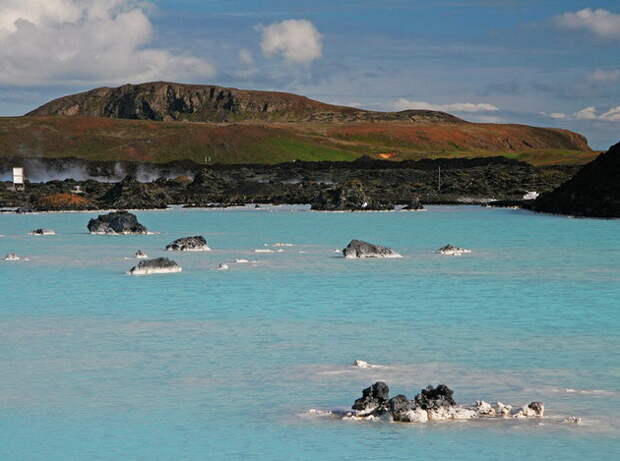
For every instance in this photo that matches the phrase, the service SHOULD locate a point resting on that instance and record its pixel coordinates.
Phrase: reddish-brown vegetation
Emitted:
(64, 201)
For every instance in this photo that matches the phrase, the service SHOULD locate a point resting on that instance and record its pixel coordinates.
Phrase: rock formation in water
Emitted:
(11, 257)
(431, 404)
(349, 196)
(374, 399)
(42, 232)
(132, 194)
(450, 250)
(155, 266)
(196, 243)
(358, 249)
(116, 222)
(140, 255)
(594, 191)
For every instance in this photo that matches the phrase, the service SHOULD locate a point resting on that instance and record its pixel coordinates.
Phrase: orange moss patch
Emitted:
(65, 201)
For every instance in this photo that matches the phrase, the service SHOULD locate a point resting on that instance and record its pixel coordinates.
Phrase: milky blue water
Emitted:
(208, 364)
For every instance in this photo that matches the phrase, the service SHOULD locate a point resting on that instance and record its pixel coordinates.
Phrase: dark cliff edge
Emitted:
(593, 192)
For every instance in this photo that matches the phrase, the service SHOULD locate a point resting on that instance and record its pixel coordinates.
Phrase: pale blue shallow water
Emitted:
(207, 364)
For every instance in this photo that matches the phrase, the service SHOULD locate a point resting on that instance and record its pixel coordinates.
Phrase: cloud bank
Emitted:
(85, 41)
(588, 113)
(405, 104)
(297, 40)
(599, 22)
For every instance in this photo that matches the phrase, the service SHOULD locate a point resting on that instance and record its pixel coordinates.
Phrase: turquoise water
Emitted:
(208, 364)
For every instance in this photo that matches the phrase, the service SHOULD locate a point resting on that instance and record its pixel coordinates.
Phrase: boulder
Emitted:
(374, 399)
(349, 196)
(361, 364)
(155, 266)
(11, 257)
(435, 397)
(140, 255)
(116, 222)
(401, 409)
(450, 250)
(359, 249)
(533, 410)
(196, 243)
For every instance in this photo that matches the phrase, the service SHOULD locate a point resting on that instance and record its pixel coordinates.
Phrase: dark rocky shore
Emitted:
(593, 192)
(365, 184)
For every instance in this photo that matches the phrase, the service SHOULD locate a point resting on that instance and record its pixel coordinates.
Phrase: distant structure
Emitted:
(77, 190)
(18, 179)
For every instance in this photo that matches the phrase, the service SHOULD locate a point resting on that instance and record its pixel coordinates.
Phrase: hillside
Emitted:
(166, 101)
(96, 138)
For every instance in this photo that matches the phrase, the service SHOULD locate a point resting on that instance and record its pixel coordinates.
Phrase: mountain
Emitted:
(164, 101)
(594, 191)
(163, 122)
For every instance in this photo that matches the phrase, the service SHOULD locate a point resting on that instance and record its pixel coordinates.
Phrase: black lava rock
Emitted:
(117, 222)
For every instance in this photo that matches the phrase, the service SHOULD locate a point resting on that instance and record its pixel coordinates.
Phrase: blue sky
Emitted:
(542, 62)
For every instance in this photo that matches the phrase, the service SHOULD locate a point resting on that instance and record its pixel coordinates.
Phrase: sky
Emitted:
(540, 62)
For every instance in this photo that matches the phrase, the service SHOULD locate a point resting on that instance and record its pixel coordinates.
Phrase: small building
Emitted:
(18, 179)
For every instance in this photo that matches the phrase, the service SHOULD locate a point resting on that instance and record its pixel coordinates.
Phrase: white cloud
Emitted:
(605, 76)
(297, 40)
(85, 41)
(405, 104)
(612, 115)
(599, 22)
(588, 113)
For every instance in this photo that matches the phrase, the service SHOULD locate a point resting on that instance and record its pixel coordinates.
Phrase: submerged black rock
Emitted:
(116, 222)
(155, 266)
(196, 243)
(360, 249)
(43, 232)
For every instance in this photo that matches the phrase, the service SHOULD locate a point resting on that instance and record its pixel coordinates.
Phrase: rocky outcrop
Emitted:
(431, 404)
(140, 255)
(196, 243)
(349, 196)
(450, 250)
(210, 103)
(132, 194)
(594, 191)
(117, 222)
(155, 266)
(358, 249)
(11, 257)
(374, 399)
